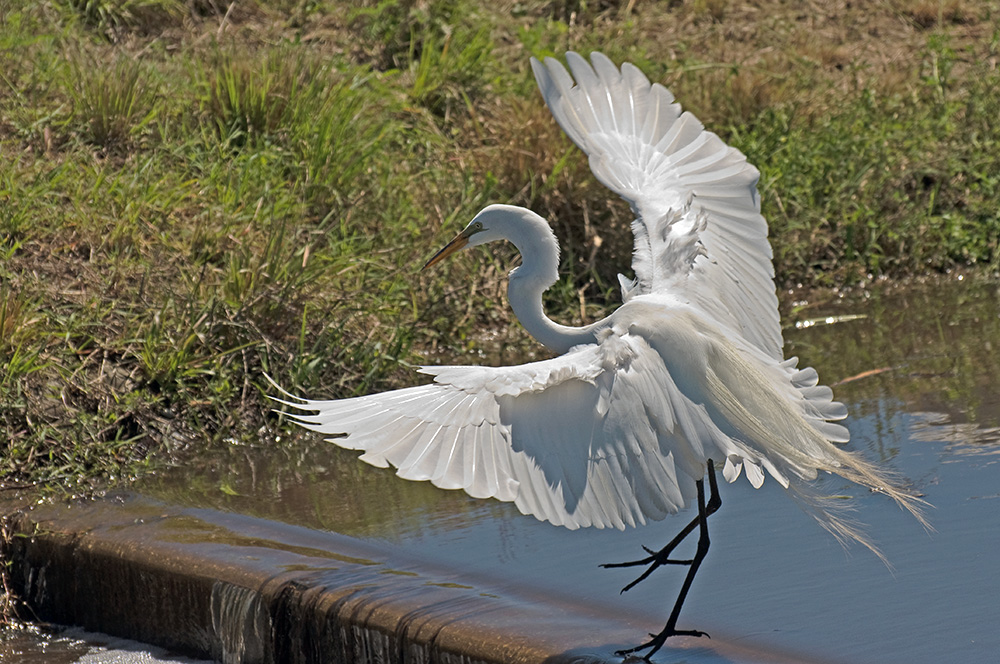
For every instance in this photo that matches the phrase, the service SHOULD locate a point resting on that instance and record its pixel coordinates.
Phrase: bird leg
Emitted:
(662, 557)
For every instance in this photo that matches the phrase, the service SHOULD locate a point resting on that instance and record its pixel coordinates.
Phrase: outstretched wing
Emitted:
(601, 436)
(698, 231)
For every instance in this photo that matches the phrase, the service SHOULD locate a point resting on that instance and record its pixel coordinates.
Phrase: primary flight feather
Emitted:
(688, 373)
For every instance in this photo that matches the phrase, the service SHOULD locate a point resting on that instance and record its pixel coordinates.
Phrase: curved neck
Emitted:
(538, 271)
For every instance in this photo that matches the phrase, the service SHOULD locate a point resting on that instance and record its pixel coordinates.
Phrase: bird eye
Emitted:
(478, 226)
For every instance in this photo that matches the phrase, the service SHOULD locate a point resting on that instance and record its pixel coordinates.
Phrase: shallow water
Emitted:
(76, 646)
(916, 368)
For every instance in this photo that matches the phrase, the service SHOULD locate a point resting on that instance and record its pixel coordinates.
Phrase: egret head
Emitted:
(485, 227)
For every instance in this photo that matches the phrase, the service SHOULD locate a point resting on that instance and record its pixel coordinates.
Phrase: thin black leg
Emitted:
(661, 557)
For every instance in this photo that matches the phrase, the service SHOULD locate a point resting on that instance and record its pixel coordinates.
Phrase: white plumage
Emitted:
(618, 429)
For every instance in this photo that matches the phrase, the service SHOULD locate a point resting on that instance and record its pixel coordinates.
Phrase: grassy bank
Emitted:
(194, 192)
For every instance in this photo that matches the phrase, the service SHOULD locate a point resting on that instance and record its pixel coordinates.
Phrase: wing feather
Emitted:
(444, 475)
(663, 162)
(589, 438)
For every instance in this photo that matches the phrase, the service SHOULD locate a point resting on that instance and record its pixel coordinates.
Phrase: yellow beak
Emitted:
(455, 245)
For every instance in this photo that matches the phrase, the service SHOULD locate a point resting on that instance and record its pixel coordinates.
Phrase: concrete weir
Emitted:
(240, 589)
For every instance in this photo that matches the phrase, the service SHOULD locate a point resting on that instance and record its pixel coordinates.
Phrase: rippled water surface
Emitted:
(917, 368)
(76, 646)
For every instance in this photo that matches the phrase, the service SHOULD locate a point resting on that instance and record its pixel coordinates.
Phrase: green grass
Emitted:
(193, 193)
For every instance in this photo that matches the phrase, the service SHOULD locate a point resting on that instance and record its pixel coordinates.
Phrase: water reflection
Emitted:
(916, 367)
(301, 479)
(962, 438)
(931, 346)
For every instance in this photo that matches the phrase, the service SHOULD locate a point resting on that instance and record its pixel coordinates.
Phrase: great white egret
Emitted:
(625, 423)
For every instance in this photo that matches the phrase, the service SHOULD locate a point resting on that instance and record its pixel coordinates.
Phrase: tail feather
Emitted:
(832, 512)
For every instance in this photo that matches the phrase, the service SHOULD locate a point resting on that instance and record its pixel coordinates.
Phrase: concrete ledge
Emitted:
(239, 589)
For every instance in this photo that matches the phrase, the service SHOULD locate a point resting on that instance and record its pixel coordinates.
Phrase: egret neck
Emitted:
(539, 269)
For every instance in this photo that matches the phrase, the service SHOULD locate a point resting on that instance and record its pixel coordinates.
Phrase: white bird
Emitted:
(624, 424)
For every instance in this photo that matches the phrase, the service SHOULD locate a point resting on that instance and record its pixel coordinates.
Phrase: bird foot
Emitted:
(657, 641)
(655, 560)
(633, 563)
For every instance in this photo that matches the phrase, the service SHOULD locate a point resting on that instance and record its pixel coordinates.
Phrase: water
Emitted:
(76, 646)
(917, 369)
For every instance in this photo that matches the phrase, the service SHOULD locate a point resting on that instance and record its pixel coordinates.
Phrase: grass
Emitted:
(193, 193)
